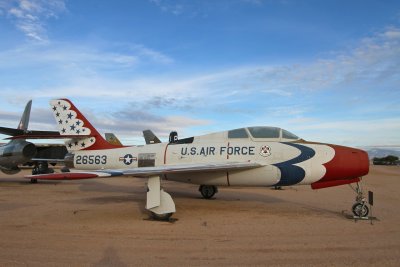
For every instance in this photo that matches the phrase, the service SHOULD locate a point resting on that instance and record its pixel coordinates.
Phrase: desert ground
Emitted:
(103, 223)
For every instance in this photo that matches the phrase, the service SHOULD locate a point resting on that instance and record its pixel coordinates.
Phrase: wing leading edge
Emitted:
(148, 171)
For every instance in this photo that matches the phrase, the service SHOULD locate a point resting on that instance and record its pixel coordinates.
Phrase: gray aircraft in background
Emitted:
(20, 152)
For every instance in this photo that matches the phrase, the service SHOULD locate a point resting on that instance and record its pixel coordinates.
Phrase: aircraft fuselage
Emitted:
(14, 153)
(284, 162)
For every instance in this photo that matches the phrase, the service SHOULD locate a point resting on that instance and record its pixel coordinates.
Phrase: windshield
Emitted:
(271, 132)
(288, 135)
(264, 132)
(237, 133)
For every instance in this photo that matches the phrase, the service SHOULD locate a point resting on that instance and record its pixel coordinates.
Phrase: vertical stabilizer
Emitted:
(112, 139)
(71, 122)
(150, 137)
(23, 124)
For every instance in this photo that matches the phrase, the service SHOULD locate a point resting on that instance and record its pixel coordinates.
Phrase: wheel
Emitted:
(35, 170)
(65, 169)
(161, 217)
(360, 210)
(33, 181)
(43, 167)
(208, 191)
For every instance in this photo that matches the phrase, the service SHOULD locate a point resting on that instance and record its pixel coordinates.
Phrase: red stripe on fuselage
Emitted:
(165, 154)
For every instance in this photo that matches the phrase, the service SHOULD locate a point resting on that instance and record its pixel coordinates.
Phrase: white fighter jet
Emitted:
(250, 156)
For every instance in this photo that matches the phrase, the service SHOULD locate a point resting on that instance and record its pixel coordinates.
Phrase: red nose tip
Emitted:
(347, 166)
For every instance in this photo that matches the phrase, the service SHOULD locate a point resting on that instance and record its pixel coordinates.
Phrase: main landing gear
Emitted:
(208, 191)
(41, 167)
(360, 208)
(159, 203)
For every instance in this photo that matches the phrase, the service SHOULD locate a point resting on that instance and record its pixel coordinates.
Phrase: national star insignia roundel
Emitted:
(128, 159)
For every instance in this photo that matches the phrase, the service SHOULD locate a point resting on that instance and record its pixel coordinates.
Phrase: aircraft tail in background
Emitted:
(112, 139)
(23, 124)
(150, 137)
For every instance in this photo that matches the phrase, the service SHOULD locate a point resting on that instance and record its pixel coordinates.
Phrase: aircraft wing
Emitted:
(148, 171)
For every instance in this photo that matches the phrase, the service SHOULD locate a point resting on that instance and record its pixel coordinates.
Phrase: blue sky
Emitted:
(327, 71)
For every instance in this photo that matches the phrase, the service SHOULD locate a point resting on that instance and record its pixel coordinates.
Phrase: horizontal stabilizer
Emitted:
(11, 131)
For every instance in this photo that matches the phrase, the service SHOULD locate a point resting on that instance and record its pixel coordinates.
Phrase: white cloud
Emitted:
(371, 66)
(374, 63)
(356, 132)
(277, 92)
(169, 6)
(154, 55)
(30, 16)
(392, 33)
(80, 60)
(134, 121)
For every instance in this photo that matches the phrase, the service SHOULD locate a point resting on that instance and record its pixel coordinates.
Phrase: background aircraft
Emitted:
(150, 137)
(19, 152)
(16, 152)
(252, 156)
(112, 139)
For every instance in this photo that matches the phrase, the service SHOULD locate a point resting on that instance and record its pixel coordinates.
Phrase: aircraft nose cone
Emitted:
(348, 163)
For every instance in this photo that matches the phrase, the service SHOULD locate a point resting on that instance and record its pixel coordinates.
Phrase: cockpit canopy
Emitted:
(264, 132)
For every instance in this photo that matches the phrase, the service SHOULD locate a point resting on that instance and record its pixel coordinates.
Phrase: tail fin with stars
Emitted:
(81, 133)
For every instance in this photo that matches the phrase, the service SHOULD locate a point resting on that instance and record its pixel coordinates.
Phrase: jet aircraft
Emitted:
(150, 137)
(250, 156)
(20, 152)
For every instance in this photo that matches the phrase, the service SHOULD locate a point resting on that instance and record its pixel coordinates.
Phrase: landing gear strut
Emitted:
(208, 191)
(159, 202)
(360, 208)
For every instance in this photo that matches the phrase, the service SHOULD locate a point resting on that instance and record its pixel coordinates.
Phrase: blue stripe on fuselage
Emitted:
(290, 173)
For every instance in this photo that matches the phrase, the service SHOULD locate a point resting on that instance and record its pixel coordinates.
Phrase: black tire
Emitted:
(208, 191)
(43, 167)
(33, 181)
(360, 210)
(65, 169)
(161, 217)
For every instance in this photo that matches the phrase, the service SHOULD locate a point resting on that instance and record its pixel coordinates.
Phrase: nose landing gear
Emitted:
(360, 208)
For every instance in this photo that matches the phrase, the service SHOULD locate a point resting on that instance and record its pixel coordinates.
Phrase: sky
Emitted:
(328, 71)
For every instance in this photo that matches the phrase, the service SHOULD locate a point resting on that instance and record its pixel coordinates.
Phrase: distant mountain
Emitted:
(381, 152)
